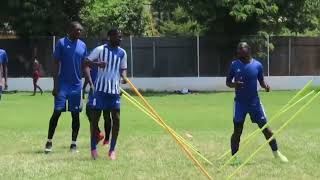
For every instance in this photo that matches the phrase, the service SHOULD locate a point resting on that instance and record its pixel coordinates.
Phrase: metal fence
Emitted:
(181, 56)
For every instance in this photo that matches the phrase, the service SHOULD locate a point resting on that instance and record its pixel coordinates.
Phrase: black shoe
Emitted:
(73, 148)
(48, 148)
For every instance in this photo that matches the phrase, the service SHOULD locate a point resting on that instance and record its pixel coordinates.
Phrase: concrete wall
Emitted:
(171, 84)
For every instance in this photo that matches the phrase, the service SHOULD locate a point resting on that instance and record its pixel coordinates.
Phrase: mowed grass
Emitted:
(145, 150)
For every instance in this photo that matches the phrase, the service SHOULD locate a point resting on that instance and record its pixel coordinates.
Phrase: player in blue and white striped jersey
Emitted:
(112, 63)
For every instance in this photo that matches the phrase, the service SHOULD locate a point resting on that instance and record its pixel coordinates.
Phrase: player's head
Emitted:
(74, 30)
(115, 37)
(243, 50)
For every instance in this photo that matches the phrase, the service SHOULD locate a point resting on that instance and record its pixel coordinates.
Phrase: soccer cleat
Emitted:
(278, 155)
(73, 148)
(112, 155)
(105, 142)
(48, 147)
(94, 154)
(236, 161)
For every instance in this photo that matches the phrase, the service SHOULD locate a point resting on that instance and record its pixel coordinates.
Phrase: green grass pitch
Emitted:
(145, 150)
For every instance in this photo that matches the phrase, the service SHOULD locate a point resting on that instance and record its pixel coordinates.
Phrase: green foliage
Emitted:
(180, 25)
(40, 17)
(127, 15)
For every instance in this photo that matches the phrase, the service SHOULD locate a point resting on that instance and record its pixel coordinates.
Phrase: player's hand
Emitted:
(238, 84)
(54, 92)
(91, 89)
(123, 81)
(267, 88)
(102, 64)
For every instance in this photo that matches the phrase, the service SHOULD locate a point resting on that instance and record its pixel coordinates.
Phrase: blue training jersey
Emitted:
(3, 57)
(71, 54)
(249, 74)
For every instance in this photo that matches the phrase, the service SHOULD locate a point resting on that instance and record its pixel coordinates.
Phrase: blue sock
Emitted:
(273, 144)
(93, 144)
(112, 144)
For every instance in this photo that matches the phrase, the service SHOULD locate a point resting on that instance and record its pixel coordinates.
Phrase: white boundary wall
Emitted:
(177, 83)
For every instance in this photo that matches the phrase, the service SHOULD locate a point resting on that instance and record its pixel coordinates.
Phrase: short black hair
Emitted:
(112, 31)
(73, 24)
(243, 44)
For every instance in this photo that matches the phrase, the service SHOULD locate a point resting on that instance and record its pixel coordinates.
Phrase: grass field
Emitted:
(145, 151)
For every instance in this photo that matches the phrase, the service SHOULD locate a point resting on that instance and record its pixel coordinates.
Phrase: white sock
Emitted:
(74, 142)
(49, 140)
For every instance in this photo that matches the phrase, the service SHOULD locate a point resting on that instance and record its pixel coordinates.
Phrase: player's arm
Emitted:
(56, 66)
(92, 59)
(5, 71)
(5, 75)
(87, 75)
(57, 57)
(123, 68)
(261, 79)
(123, 76)
(229, 80)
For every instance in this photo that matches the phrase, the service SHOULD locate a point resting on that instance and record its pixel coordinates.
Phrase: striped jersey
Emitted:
(108, 78)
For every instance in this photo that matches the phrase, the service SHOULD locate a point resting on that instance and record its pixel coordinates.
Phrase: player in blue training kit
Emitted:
(112, 62)
(69, 56)
(243, 75)
(3, 71)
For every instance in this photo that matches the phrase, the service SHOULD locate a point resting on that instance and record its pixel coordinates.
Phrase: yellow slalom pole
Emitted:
(136, 102)
(247, 140)
(279, 113)
(177, 135)
(189, 154)
(305, 88)
(277, 132)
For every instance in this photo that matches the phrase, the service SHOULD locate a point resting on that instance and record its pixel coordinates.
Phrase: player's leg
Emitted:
(258, 116)
(75, 130)
(40, 89)
(115, 114)
(59, 106)
(107, 126)
(238, 121)
(75, 107)
(0, 91)
(34, 87)
(89, 113)
(95, 116)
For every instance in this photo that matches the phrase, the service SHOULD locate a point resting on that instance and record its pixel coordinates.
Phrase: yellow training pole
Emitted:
(203, 170)
(247, 140)
(136, 102)
(272, 118)
(141, 107)
(305, 88)
(277, 132)
(177, 135)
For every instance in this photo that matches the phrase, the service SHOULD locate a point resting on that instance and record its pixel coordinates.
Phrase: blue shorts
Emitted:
(70, 94)
(254, 109)
(105, 101)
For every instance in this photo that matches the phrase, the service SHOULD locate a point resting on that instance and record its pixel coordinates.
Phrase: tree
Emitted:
(232, 17)
(180, 25)
(299, 16)
(40, 17)
(127, 15)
